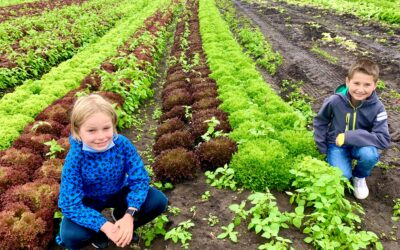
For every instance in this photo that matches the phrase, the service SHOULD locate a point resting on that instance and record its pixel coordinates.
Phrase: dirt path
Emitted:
(292, 31)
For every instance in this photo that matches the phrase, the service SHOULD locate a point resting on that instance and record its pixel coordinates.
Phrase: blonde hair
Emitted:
(365, 66)
(85, 107)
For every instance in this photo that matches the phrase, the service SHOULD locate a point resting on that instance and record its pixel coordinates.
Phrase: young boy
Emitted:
(352, 124)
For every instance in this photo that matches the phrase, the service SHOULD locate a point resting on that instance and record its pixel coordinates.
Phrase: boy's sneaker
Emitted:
(360, 188)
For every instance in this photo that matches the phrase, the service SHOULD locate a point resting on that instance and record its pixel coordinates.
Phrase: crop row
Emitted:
(31, 46)
(14, 2)
(29, 180)
(275, 150)
(250, 37)
(17, 109)
(34, 8)
(186, 141)
(386, 11)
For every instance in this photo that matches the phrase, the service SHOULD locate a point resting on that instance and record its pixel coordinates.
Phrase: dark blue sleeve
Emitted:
(321, 125)
(378, 136)
(71, 195)
(138, 179)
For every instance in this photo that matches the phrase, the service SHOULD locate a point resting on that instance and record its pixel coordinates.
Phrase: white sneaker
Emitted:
(360, 188)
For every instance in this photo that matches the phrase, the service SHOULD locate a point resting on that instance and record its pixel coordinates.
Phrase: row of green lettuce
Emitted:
(250, 37)
(13, 2)
(35, 44)
(19, 108)
(386, 11)
(275, 149)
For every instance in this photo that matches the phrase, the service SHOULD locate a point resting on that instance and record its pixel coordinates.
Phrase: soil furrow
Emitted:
(299, 63)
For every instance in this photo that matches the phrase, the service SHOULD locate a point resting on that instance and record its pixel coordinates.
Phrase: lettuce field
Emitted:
(218, 97)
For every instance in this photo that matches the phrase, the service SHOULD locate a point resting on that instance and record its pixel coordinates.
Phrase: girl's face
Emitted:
(97, 131)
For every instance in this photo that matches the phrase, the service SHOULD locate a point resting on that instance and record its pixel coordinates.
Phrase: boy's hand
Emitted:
(125, 232)
(340, 140)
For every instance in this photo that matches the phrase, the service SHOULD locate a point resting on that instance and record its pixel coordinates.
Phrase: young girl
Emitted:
(103, 169)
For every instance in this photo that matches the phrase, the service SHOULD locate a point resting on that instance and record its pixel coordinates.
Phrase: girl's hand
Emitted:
(111, 230)
(125, 230)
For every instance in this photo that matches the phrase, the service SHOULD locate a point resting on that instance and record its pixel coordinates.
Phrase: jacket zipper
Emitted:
(354, 116)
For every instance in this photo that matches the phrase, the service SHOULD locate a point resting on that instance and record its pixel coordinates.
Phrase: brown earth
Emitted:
(320, 78)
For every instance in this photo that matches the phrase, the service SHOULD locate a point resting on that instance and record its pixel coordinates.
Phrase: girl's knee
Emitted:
(71, 236)
(160, 202)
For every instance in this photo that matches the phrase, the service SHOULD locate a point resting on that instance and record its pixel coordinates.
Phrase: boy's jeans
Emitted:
(74, 236)
(342, 157)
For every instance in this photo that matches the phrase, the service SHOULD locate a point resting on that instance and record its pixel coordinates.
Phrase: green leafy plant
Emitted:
(240, 212)
(55, 148)
(206, 196)
(58, 215)
(251, 38)
(396, 210)
(151, 230)
(335, 219)
(193, 210)
(380, 85)
(212, 220)
(266, 217)
(188, 112)
(181, 233)
(341, 41)
(229, 232)
(174, 210)
(211, 133)
(223, 177)
(163, 185)
(324, 54)
(156, 114)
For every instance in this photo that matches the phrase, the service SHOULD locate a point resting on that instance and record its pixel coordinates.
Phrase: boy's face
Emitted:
(360, 86)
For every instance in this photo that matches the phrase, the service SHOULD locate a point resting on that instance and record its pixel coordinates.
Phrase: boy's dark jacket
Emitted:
(365, 125)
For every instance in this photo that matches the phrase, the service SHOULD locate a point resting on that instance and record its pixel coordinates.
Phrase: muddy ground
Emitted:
(289, 30)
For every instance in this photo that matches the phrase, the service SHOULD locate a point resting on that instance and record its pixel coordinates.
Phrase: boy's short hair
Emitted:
(365, 66)
(86, 106)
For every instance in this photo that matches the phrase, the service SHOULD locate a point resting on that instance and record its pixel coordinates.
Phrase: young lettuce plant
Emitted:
(206, 196)
(54, 148)
(212, 220)
(151, 230)
(223, 177)
(396, 210)
(229, 232)
(266, 217)
(181, 233)
(211, 133)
